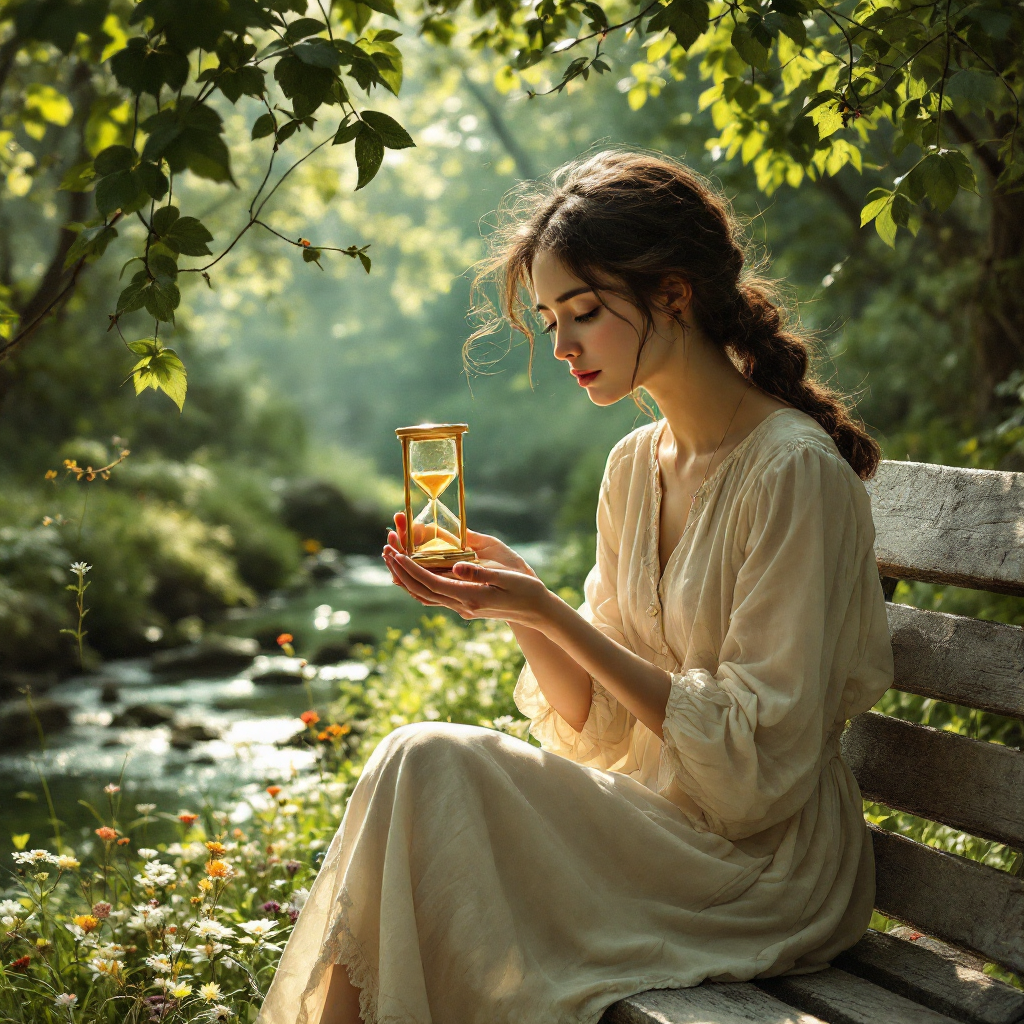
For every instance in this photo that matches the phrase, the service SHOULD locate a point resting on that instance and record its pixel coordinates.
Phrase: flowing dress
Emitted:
(477, 879)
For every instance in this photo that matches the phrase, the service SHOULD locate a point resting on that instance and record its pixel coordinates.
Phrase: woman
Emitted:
(689, 816)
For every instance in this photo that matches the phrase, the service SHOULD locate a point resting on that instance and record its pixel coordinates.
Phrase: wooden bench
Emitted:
(942, 525)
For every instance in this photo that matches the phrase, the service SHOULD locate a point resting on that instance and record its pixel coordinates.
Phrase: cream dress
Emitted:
(476, 879)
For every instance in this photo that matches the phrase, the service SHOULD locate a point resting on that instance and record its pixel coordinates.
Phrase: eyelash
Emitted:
(581, 319)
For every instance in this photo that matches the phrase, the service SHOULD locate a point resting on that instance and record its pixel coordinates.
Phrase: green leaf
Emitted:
(318, 53)
(877, 198)
(164, 267)
(391, 133)
(940, 182)
(141, 67)
(188, 135)
(78, 178)
(886, 226)
(365, 260)
(159, 369)
(311, 254)
(152, 179)
(118, 191)
(302, 27)
(188, 236)
(162, 298)
(827, 117)
(298, 79)
(133, 297)
(114, 158)
(347, 132)
(164, 218)
(749, 45)
(263, 126)
(962, 168)
(369, 154)
(381, 7)
(90, 243)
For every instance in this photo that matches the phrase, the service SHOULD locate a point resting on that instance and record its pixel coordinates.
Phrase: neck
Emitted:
(697, 389)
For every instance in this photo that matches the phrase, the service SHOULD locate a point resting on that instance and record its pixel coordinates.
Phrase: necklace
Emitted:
(703, 479)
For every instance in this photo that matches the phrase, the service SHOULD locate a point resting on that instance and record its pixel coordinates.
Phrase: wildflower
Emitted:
(65, 999)
(213, 929)
(101, 910)
(187, 817)
(299, 897)
(338, 730)
(292, 867)
(124, 841)
(8, 907)
(205, 885)
(41, 876)
(208, 951)
(181, 990)
(309, 717)
(86, 922)
(105, 967)
(261, 927)
(80, 567)
(293, 915)
(34, 857)
(107, 834)
(159, 962)
(67, 863)
(111, 951)
(284, 638)
(50, 474)
(221, 1012)
(110, 788)
(324, 736)
(145, 808)
(218, 869)
(210, 991)
(273, 791)
(156, 874)
(216, 849)
(146, 853)
(271, 907)
(21, 964)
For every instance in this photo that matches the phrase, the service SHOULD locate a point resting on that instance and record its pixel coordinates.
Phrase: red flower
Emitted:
(284, 638)
(187, 817)
(21, 964)
(310, 717)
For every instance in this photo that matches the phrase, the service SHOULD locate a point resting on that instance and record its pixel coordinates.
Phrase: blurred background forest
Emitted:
(299, 372)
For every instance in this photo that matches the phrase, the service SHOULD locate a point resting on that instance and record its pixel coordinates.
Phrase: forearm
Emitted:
(640, 687)
(565, 685)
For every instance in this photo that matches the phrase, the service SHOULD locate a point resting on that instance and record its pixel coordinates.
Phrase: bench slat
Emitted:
(740, 1003)
(970, 785)
(842, 998)
(941, 524)
(958, 659)
(924, 976)
(957, 900)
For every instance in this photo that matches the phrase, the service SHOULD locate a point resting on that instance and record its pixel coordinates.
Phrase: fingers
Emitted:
(414, 586)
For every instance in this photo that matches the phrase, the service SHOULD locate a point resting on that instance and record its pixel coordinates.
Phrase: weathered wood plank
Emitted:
(941, 524)
(958, 659)
(931, 979)
(842, 998)
(706, 1004)
(956, 900)
(970, 785)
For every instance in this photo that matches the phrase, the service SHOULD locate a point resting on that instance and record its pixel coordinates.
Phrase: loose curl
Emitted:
(634, 219)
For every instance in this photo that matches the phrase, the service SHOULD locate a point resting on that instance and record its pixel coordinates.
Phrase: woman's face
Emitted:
(599, 346)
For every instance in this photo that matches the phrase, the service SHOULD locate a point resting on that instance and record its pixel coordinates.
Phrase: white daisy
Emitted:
(160, 963)
(144, 851)
(261, 927)
(65, 999)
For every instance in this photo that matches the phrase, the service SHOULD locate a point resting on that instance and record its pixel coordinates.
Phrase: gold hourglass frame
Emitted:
(431, 462)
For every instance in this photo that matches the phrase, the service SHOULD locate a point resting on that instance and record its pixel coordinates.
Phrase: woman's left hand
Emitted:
(472, 590)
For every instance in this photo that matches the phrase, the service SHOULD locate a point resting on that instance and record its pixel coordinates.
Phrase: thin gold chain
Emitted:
(693, 497)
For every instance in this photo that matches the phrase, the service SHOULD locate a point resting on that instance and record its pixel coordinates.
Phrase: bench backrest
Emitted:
(962, 527)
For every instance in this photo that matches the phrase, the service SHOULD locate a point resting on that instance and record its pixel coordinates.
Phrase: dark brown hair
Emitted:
(634, 219)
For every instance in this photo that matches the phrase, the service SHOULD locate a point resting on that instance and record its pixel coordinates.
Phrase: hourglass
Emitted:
(432, 462)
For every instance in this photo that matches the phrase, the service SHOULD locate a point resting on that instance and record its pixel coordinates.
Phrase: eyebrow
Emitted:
(566, 296)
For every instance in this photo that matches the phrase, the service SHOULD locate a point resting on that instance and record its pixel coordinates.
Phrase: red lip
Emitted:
(585, 378)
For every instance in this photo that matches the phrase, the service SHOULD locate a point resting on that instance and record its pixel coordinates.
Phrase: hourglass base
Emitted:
(443, 560)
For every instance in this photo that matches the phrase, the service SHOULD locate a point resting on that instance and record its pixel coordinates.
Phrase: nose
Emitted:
(565, 347)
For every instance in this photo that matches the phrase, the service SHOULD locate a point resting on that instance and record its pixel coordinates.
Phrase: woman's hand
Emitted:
(473, 590)
(491, 551)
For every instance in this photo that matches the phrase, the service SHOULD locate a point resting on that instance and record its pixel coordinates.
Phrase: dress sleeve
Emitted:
(606, 735)
(746, 743)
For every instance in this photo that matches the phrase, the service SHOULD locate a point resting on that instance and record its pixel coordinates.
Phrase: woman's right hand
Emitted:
(492, 552)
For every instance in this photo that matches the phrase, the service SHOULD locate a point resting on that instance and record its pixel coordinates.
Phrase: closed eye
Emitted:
(581, 319)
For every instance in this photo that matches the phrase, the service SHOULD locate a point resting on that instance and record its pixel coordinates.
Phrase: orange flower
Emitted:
(323, 736)
(123, 842)
(238, 833)
(218, 869)
(86, 922)
(284, 638)
(51, 474)
(107, 834)
(216, 849)
(187, 817)
(312, 546)
(338, 730)
(310, 717)
(273, 790)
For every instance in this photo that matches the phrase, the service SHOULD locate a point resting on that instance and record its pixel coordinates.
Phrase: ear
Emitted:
(676, 294)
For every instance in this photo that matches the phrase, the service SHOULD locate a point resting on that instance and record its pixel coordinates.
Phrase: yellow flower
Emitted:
(181, 990)
(86, 922)
(216, 849)
(218, 869)
(205, 885)
(210, 991)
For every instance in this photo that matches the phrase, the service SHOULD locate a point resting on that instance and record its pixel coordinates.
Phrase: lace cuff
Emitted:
(605, 736)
